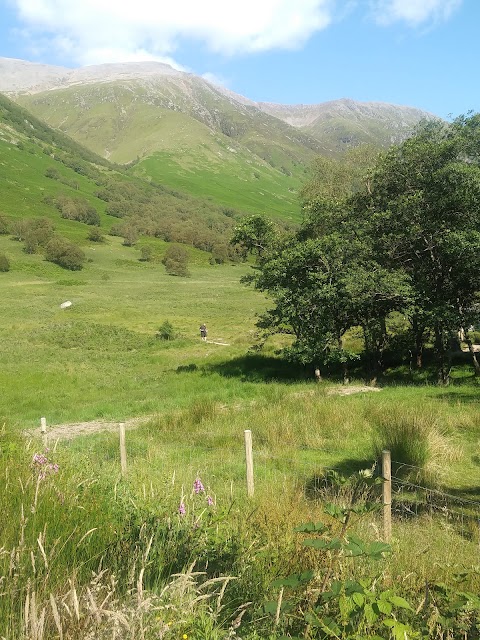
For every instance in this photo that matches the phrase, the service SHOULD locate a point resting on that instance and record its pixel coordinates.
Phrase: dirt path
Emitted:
(72, 430)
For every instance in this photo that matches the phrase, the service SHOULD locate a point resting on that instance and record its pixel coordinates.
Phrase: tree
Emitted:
(423, 211)
(4, 263)
(37, 233)
(176, 261)
(95, 235)
(254, 234)
(4, 225)
(64, 253)
(147, 253)
(408, 241)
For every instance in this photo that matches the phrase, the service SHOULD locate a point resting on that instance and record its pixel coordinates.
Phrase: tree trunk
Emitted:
(418, 332)
(443, 363)
(476, 364)
(318, 375)
(346, 379)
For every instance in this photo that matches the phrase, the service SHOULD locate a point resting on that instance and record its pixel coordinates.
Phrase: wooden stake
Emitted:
(43, 430)
(249, 461)
(387, 495)
(123, 449)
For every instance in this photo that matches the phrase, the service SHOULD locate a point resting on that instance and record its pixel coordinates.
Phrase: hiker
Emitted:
(203, 332)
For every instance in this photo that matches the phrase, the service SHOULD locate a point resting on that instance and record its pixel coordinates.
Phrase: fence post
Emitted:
(43, 430)
(249, 461)
(387, 495)
(123, 449)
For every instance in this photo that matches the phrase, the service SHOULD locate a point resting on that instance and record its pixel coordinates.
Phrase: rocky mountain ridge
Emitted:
(22, 77)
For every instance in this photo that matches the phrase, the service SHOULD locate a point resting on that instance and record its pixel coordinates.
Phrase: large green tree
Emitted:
(422, 210)
(408, 240)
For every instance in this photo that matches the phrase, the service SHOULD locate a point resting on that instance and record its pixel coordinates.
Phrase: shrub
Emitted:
(147, 253)
(4, 263)
(4, 227)
(77, 209)
(37, 233)
(130, 236)
(95, 235)
(166, 331)
(176, 261)
(53, 173)
(64, 253)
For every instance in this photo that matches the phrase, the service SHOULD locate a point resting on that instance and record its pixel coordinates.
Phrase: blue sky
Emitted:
(422, 53)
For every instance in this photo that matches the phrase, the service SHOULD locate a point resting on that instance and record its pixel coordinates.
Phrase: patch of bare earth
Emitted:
(349, 390)
(72, 430)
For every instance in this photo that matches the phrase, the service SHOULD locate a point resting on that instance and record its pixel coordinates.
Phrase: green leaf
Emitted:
(311, 527)
(336, 512)
(371, 616)
(359, 599)
(329, 545)
(398, 601)
(383, 606)
(328, 625)
(400, 631)
(334, 591)
(352, 586)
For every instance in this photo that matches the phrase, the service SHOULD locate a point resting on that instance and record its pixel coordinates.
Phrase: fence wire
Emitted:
(412, 499)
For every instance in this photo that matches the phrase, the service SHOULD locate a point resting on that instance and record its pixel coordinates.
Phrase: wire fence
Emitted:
(411, 494)
(412, 499)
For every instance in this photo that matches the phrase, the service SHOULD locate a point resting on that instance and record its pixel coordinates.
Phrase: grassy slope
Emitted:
(24, 185)
(100, 359)
(242, 171)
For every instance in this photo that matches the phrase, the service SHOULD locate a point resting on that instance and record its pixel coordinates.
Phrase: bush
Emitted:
(4, 227)
(95, 235)
(77, 209)
(147, 253)
(176, 261)
(64, 253)
(474, 335)
(37, 233)
(4, 263)
(130, 236)
(53, 173)
(166, 331)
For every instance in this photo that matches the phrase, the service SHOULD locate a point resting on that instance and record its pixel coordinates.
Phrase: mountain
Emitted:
(344, 123)
(50, 180)
(182, 131)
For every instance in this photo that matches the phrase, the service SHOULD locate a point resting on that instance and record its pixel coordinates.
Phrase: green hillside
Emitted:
(202, 142)
(46, 175)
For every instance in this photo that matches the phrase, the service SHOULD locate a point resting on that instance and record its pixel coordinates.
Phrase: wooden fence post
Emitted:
(249, 461)
(387, 495)
(123, 449)
(43, 430)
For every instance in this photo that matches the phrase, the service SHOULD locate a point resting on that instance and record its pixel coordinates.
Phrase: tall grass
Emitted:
(419, 444)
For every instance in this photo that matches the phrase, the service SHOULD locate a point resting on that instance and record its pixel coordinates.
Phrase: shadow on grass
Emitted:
(259, 368)
(456, 397)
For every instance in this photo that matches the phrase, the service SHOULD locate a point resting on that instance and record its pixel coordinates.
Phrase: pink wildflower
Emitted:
(181, 509)
(210, 501)
(198, 486)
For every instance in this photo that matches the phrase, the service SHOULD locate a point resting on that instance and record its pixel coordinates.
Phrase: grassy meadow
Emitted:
(85, 553)
(175, 548)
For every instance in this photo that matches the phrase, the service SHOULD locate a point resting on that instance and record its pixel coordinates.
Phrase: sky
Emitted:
(420, 53)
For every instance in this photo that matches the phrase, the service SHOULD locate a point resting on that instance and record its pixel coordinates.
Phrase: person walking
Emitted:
(203, 332)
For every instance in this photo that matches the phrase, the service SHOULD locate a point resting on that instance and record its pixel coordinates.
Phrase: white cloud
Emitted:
(413, 12)
(114, 30)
